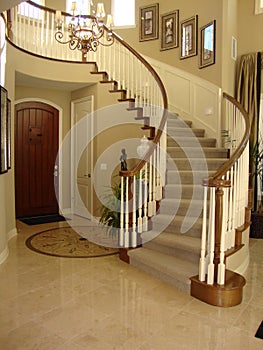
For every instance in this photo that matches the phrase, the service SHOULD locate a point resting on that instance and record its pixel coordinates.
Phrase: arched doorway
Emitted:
(36, 148)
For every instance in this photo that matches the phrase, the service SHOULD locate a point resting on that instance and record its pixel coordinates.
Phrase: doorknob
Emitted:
(87, 175)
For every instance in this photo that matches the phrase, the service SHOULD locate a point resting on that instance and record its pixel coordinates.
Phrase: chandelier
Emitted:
(85, 32)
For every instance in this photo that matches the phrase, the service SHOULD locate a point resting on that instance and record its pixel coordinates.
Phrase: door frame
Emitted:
(60, 124)
(72, 187)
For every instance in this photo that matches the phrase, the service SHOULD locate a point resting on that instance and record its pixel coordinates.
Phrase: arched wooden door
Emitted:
(36, 148)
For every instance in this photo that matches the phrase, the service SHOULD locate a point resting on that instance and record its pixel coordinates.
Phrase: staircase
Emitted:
(175, 239)
(173, 256)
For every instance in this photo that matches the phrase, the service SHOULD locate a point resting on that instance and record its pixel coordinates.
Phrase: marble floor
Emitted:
(49, 303)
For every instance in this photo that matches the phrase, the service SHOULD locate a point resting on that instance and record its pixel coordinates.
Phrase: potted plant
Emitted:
(110, 210)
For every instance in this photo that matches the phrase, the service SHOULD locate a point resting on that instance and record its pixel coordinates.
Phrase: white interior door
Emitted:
(82, 157)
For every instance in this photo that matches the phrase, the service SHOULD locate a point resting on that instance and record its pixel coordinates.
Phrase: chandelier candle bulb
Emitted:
(58, 16)
(73, 7)
(109, 23)
(100, 11)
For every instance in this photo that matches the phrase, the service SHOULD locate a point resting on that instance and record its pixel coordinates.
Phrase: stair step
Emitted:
(185, 132)
(181, 246)
(179, 224)
(191, 141)
(169, 269)
(177, 122)
(181, 206)
(195, 163)
(186, 176)
(177, 191)
(209, 152)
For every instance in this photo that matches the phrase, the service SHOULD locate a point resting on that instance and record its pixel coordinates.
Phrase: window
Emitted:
(83, 6)
(123, 12)
(258, 7)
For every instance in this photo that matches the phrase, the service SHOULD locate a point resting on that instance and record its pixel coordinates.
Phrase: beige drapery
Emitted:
(247, 90)
(248, 93)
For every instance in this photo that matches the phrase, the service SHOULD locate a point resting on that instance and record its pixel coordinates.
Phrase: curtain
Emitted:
(248, 94)
(248, 89)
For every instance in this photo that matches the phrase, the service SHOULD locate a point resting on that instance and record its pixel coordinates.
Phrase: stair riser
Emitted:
(185, 192)
(182, 209)
(191, 256)
(174, 123)
(176, 227)
(203, 142)
(185, 177)
(195, 164)
(177, 152)
(185, 132)
(172, 280)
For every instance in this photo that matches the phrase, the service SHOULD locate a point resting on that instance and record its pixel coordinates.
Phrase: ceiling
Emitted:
(8, 4)
(29, 81)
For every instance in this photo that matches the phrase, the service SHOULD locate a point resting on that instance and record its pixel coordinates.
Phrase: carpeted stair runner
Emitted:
(173, 256)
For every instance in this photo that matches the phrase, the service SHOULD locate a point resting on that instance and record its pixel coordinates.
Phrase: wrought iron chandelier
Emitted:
(85, 32)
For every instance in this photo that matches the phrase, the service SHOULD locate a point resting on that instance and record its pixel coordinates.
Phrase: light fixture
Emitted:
(85, 32)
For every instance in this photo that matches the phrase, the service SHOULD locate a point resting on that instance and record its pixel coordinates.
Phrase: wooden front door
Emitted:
(36, 148)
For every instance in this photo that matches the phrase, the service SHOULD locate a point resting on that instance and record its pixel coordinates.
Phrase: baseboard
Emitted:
(243, 267)
(66, 211)
(12, 234)
(4, 255)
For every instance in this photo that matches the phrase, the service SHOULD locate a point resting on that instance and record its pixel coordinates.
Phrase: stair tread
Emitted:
(166, 264)
(181, 241)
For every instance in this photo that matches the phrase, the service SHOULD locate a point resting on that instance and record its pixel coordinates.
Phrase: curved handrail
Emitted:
(158, 135)
(234, 157)
(150, 69)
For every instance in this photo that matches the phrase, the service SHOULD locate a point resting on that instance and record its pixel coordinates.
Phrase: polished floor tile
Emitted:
(50, 303)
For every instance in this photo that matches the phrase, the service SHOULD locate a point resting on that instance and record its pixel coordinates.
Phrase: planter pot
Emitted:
(256, 228)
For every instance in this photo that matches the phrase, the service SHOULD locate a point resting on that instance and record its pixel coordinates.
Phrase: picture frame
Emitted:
(8, 133)
(207, 44)
(149, 22)
(169, 30)
(189, 37)
(3, 131)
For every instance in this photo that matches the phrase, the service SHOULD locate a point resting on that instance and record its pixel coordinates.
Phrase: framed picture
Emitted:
(189, 37)
(149, 24)
(169, 33)
(8, 134)
(207, 44)
(3, 132)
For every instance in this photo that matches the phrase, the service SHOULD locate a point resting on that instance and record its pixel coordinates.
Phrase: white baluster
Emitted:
(211, 233)
(121, 238)
(134, 233)
(202, 263)
(126, 234)
(150, 203)
(158, 190)
(139, 221)
(145, 204)
(154, 182)
(221, 265)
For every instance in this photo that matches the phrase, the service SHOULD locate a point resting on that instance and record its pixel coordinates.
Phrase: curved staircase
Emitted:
(200, 178)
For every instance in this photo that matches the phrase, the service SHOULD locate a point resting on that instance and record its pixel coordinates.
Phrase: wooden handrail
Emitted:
(234, 157)
(158, 135)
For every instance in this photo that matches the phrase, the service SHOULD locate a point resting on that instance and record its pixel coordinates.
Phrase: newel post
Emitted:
(219, 257)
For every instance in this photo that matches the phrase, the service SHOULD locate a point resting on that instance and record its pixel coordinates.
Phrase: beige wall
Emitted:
(250, 38)
(207, 11)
